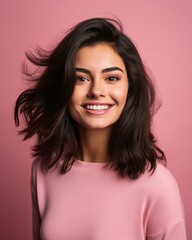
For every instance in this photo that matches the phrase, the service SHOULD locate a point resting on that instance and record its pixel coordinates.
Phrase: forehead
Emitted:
(101, 55)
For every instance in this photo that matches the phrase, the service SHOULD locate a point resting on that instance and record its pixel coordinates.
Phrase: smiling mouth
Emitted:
(97, 107)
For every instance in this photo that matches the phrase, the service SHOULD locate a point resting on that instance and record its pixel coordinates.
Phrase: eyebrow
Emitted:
(110, 69)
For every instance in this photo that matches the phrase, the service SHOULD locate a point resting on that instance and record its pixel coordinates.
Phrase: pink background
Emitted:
(163, 34)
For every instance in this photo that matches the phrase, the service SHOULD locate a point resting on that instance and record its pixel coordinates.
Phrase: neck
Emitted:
(94, 144)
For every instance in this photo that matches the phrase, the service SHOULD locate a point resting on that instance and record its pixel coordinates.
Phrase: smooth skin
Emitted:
(98, 98)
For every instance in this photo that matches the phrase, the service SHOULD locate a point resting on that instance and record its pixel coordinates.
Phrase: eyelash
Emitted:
(81, 79)
(113, 78)
(84, 79)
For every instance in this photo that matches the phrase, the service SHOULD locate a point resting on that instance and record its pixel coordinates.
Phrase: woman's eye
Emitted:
(113, 78)
(81, 79)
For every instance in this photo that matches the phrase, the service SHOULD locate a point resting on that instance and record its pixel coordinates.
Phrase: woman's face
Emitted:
(101, 87)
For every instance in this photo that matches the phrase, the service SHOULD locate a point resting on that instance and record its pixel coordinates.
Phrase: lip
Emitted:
(96, 108)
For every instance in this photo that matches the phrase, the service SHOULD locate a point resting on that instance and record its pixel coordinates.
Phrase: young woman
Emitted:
(98, 173)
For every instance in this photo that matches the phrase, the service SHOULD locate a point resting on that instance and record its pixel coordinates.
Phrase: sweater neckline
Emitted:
(91, 164)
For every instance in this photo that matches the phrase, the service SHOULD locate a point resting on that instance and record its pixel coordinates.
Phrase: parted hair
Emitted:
(44, 105)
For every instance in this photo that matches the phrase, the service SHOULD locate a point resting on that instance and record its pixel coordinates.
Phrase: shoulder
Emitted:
(159, 186)
(37, 174)
(161, 180)
(40, 176)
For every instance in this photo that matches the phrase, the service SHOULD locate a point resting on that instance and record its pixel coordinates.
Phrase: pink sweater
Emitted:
(94, 203)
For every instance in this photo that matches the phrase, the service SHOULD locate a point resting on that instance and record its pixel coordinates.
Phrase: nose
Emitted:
(97, 89)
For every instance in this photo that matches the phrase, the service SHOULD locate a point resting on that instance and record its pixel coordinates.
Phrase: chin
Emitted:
(96, 126)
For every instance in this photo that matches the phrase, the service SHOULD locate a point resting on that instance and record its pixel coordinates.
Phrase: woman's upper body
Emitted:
(91, 99)
(91, 202)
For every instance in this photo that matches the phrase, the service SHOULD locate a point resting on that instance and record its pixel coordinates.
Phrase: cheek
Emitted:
(120, 93)
(73, 110)
(72, 103)
(75, 98)
(75, 101)
(79, 93)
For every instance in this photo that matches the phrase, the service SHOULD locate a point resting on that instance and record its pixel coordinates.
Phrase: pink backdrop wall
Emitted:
(163, 34)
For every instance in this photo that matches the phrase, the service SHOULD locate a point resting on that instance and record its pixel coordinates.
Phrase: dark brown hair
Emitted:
(132, 146)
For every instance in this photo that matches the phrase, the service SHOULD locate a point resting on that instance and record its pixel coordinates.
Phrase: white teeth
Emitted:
(97, 107)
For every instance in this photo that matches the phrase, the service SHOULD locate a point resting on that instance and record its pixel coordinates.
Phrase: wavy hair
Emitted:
(44, 105)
